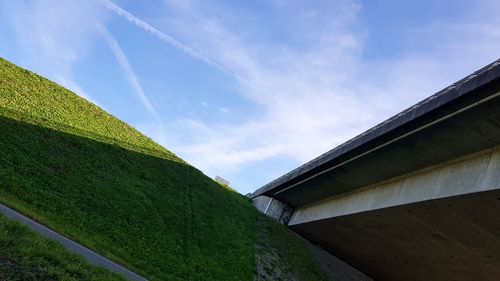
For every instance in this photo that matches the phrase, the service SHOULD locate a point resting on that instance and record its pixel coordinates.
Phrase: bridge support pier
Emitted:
(273, 208)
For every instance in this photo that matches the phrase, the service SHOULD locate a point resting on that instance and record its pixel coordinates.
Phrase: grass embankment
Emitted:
(26, 256)
(77, 169)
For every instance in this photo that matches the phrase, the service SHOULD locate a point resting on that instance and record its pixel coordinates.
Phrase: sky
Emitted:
(249, 90)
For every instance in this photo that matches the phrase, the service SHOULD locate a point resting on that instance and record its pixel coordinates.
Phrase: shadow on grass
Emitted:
(149, 148)
(159, 217)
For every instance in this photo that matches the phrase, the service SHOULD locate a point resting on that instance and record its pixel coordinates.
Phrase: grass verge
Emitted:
(27, 256)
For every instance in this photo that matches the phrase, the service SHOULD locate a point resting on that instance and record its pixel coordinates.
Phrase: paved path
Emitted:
(70, 245)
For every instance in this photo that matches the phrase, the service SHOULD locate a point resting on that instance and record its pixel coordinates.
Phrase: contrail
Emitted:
(162, 36)
(129, 71)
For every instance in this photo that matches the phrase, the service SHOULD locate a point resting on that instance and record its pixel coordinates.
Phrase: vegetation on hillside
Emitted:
(26, 256)
(75, 168)
(84, 173)
(282, 255)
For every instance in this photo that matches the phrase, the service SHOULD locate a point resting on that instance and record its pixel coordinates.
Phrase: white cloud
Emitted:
(54, 35)
(223, 109)
(161, 35)
(304, 93)
(319, 94)
(312, 89)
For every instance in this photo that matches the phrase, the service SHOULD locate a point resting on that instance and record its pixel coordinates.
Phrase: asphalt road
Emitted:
(70, 245)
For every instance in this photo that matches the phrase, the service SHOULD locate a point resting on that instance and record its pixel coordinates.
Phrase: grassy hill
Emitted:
(75, 168)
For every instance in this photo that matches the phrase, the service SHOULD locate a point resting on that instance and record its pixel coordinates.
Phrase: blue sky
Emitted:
(248, 90)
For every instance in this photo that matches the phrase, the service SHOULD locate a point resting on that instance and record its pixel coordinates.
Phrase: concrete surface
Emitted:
(336, 269)
(455, 238)
(440, 223)
(70, 245)
(473, 173)
(273, 208)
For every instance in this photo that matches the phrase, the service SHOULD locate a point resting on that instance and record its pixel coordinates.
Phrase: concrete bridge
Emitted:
(415, 198)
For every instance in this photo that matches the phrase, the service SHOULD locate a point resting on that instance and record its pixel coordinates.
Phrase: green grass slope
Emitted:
(77, 169)
(27, 256)
(282, 255)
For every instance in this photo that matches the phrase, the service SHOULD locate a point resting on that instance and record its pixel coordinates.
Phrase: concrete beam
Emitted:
(453, 238)
(473, 173)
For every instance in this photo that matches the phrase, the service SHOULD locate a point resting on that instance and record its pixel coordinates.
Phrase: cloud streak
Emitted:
(315, 94)
(124, 63)
(305, 106)
(164, 37)
(301, 70)
(53, 36)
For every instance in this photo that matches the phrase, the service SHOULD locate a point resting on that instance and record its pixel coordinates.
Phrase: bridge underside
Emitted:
(454, 238)
(414, 198)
